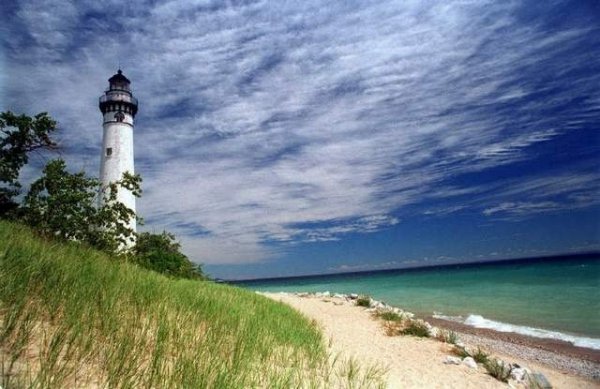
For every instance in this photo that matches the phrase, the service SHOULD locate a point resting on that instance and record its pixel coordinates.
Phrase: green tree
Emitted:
(162, 253)
(63, 205)
(19, 136)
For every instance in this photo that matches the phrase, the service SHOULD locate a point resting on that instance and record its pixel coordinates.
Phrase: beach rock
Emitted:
(518, 374)
(470, 362)
(353, 296)
(450, 360)
(538, 380)
(339, 296)
(433, 332)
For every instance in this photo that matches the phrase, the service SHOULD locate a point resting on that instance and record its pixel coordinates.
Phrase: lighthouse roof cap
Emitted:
(119, 78)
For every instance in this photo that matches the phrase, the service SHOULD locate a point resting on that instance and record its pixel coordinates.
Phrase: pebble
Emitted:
(577, 366)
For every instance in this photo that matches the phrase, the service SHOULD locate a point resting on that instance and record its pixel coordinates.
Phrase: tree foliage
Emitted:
(64, 205)
(19, 136)
(161, 253)
(67, 206)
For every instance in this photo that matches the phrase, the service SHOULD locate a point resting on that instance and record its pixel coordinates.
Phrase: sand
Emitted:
(411, 362)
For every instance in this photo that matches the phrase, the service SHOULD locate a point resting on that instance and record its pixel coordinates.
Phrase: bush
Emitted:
(363, 301)
(162, 253)
(392, 328)
(389, 316)
(498, 369)
(447, 336)
(416, 328)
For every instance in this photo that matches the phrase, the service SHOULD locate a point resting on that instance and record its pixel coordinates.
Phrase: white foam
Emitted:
(479, 321)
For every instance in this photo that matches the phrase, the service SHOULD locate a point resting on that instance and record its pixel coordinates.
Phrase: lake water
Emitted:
(546, 298)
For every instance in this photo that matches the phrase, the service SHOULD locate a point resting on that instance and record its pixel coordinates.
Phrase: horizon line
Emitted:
(581, 254)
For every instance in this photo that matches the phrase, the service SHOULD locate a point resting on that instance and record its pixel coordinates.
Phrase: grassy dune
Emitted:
(71, 316)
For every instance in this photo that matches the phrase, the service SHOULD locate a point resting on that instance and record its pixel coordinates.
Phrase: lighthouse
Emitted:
(118, 107)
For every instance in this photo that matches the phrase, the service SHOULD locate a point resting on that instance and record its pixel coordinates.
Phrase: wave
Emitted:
(479, 321)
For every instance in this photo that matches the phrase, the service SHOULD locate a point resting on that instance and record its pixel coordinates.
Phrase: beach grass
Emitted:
(72, 316)
(498, 369)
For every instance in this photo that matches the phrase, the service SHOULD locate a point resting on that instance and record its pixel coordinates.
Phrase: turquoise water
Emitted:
(561, 296)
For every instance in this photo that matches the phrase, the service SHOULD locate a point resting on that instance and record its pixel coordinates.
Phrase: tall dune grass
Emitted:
(73, 317)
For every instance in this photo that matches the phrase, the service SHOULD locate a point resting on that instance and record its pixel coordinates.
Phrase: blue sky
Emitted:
(293, 137)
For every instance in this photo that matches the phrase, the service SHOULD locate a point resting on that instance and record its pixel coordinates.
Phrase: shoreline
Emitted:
(550, 345)
(559, 355)
(419, 362)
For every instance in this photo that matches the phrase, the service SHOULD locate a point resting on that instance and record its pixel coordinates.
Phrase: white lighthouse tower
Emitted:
(118, 108)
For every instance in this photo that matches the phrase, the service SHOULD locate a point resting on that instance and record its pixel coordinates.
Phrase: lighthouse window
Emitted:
(109, 151)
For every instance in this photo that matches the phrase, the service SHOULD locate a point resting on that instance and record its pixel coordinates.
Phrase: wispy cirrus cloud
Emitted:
(264, 124)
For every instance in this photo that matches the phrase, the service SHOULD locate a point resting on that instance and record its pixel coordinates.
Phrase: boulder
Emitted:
(518, 374)
(433, 332)
(353, 296)
(377, 304)
(538, 380)
(450, 360)
(470, 362)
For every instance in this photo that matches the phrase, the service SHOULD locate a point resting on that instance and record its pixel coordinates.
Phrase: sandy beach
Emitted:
(413, 362)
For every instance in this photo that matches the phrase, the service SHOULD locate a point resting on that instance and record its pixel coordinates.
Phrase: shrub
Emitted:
(447, 336)
(162, 253)
(416, 328)
(392, 328)
(389, 316)
(363, 301)
(498, 369)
